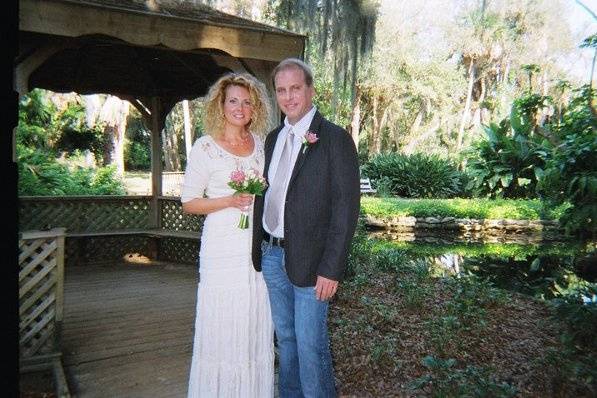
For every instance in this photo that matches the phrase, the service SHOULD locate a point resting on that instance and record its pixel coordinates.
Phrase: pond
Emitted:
(544, 271)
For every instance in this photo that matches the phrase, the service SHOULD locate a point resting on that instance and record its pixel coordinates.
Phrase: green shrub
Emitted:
(506, 164)
(137, 146)
(39, 136)
(571, 171)
(414, 176)
(41, 175)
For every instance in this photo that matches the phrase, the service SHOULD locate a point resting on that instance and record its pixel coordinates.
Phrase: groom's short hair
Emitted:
(294, 63)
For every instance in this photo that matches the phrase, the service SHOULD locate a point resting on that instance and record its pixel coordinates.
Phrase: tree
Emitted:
(113, 117)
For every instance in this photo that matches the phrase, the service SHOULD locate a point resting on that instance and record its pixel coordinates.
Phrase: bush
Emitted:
(137, 147)
(414, 176)
(571, 171)
(41, 175)
(506, 164)
(40, 134)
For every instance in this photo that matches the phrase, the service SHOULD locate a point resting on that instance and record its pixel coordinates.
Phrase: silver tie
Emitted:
(278, 184)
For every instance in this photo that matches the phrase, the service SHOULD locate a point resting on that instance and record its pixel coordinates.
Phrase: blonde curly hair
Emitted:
(213, 114)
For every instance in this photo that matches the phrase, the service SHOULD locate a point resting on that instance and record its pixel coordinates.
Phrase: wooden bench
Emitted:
(366, 186)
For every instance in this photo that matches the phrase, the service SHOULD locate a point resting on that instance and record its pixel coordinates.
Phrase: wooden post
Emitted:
(60, 232)
(156, 171)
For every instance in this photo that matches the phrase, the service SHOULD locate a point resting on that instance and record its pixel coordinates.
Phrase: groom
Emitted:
(309, 215)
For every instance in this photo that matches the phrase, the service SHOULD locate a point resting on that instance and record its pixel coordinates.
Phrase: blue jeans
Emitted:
(300, 322)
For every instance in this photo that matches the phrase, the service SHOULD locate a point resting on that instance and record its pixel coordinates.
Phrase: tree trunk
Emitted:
(467, 105)
(114, 114)
(355, 123)
(373, 142)
(170, 147)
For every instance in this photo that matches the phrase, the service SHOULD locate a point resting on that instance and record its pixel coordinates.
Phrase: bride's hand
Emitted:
(241, 201)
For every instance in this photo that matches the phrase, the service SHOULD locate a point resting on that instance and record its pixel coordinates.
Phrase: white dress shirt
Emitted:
(299, 130)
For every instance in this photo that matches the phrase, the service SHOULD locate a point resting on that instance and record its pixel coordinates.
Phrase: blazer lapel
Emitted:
(270, 144)
(314, 127)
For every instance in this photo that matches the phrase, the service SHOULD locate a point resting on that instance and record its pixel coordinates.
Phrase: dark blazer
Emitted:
(322, 205)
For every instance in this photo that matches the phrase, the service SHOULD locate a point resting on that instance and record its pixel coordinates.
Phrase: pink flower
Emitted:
(309, 139)
(238, 176)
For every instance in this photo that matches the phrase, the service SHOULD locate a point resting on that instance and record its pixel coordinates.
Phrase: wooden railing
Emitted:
(106, 228)
(41, 303)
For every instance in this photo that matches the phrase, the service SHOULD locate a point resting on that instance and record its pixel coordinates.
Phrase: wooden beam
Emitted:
(144, 29)
(31, 62)
(156, 161)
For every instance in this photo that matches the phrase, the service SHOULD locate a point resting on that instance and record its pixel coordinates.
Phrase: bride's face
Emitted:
(238, 108)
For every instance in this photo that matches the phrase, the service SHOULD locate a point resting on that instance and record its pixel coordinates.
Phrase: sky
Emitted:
(577, 64)
(582, 25)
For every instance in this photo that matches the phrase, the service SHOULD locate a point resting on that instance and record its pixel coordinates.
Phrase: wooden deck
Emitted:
(128, 329)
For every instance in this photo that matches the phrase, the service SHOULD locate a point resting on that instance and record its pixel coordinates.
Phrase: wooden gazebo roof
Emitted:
(153, 53)
(136, 48)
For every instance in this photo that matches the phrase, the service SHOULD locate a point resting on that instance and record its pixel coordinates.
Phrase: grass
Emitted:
(516, 209)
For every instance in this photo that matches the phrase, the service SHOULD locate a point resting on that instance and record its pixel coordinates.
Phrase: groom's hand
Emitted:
(325, 288)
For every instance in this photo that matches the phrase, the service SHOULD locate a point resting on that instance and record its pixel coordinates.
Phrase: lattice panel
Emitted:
(184, 251)
(41, 278)
(88, 214)
(173, 218)
(106, 248)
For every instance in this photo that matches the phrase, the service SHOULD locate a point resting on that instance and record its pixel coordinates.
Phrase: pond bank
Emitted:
(463, 229)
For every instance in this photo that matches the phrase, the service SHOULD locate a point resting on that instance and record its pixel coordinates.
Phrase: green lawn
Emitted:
(517, 209)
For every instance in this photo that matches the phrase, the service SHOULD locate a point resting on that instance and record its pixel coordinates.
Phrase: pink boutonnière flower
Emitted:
(309, 139)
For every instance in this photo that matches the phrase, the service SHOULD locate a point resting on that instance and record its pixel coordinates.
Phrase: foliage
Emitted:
(517, 209)
(576, 309)
(509, 161)
(483, 250)
(42, 175)
(74, 133)
(445, 380)
(137, 148)
(395, 309)
(360, 253)
(40, 134)
(415, 176)
(571, 171)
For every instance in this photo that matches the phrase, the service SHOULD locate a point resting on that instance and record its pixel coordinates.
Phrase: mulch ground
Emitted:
(379, 342)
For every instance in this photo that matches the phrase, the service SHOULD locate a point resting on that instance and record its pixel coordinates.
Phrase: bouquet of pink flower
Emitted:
(250, 182)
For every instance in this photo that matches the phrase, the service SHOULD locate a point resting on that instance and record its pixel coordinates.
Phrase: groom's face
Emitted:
(294, 96)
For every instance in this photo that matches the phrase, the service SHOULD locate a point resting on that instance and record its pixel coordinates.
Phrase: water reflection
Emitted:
(543, 271)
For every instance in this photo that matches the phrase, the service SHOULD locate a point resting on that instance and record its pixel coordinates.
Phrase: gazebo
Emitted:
(153, 54)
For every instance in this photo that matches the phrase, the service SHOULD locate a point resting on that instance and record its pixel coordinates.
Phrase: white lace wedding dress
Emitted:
(233, 352)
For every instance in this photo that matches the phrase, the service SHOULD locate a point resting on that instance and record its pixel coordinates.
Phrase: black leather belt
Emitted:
(273, 240)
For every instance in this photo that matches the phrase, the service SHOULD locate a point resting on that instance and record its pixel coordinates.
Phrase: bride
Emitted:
(233, 346)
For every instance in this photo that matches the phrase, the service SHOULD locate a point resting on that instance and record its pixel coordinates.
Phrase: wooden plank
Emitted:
(52, 233)
(44, 322)
(45, 253)
(26, 320)
(37, 278)
(33, 246)
(60, 240)
(62, 390)
(135, 346)
(44, 336)
(23, 306)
